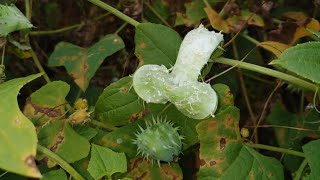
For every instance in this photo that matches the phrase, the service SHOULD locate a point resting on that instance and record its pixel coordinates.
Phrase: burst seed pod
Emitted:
(160, 141)
(156, 84)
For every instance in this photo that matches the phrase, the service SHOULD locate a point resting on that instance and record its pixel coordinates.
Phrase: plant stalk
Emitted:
(275, 149)
(61, 162)
(115, 12)
(300, 170)
(269, 72)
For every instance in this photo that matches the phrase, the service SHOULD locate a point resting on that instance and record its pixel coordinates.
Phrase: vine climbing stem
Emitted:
(115, 12)
(28, 6)
(266, 71)
(275, 149)
(61, 162)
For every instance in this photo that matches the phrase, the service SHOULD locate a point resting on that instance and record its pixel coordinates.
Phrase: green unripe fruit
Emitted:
(159, 141)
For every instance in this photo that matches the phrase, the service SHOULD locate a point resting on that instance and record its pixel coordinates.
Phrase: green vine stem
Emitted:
(267, 71)
(157, 14)
(39, 66)
(244, 90)
(61, 30)
(249, 38)
(28, 6)
(300, 170)
(275, 149)
(64, 29)
(121, 28)
(115, 12)
(57, 159)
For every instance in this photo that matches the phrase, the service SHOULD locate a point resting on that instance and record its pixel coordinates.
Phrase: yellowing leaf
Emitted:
(216, 21)
(18, 138)
(22, 54)
(302, 31)
(274, 47)
(82, 63)
(306, 23)
(234, 23)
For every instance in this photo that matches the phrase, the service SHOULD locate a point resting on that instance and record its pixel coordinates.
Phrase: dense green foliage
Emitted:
(158, 89)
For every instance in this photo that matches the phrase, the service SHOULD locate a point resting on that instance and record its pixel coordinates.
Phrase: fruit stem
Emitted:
(61, 162)
(267, 71)
(115, 12)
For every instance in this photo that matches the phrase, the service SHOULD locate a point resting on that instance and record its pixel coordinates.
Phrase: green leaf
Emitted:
(11, 19)
(105, 162)
(153, 48)
(194, 11)
(85, 131)
(119, 104)
(82, 63)
(223, 156)
(143, 168)
(60, 138)
(292, 138)
(312, 153)
(55, 174)
(81, 167)
(120, 140)
(225, 97)
(18, 140)
(47, 103)
(302, 59)
(161, 7)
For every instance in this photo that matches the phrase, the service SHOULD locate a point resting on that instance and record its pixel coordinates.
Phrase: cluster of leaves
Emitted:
(53, 136)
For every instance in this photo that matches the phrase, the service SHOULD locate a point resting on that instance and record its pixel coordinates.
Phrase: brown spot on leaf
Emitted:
(142, 45)
(136, 162)
(101, 142)
(212, 125)
(169, 172)
(124, 89)
(73, 58)
(101, 48)
(85, 164)
(134, 117)
(223, 143)
(212, 163)
(30, 162)
(58, 141)
(50, 112)
(202, 162)
(228, 97)
(85, 66)
(62, 59)
(228, 121)
(142, 176)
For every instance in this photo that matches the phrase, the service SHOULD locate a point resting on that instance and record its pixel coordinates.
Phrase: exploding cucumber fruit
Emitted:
(157, 84)
(160, 141)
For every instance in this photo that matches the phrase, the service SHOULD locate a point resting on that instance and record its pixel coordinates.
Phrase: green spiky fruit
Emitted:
(160, 141)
